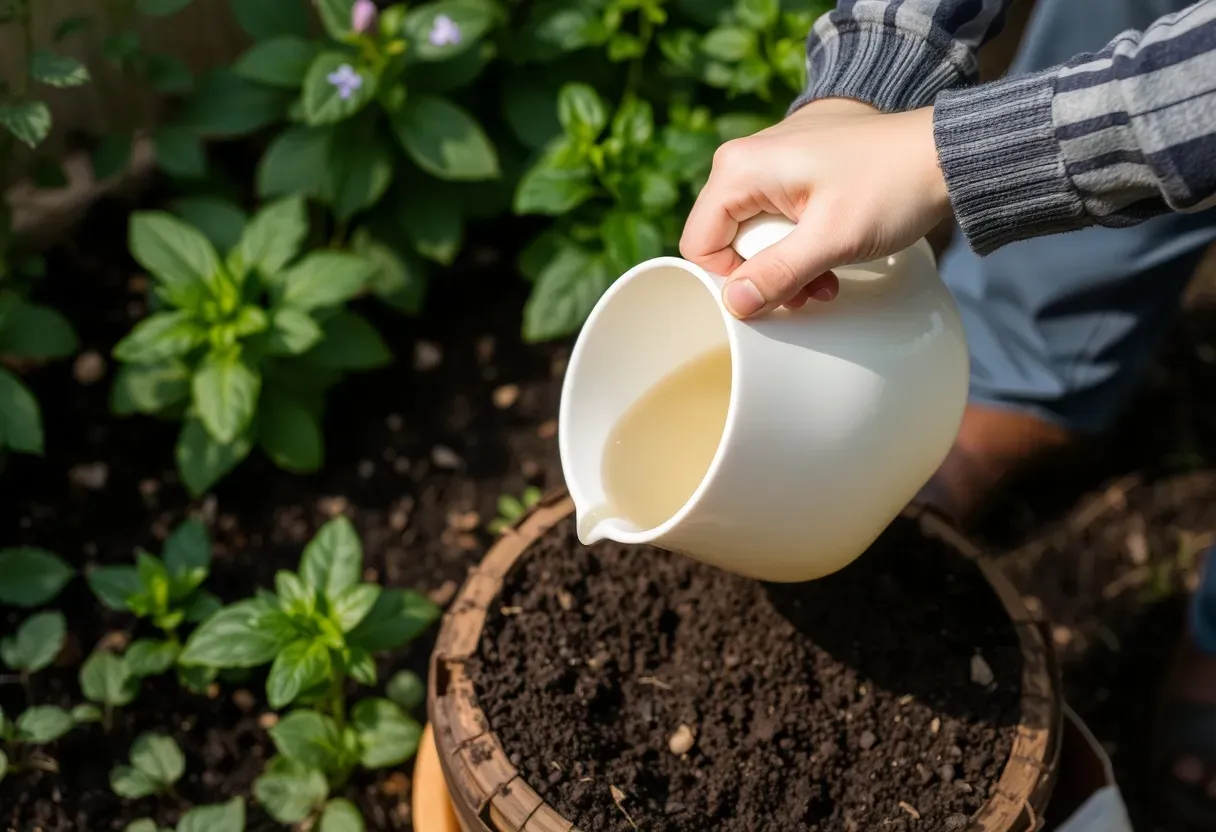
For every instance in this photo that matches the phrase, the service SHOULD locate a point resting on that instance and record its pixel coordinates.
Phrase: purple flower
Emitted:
(363, 15)
(346, 80)
(444, 32)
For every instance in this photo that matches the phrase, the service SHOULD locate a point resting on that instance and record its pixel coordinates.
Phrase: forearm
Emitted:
(1108, 139)
(897, 54)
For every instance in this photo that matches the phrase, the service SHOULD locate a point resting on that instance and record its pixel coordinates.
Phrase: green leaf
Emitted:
(569, 26)
(132, 784)
(301, 666)
(309, 738)
(729, 43)
(434, 225)
(333, 559)
(20, 418)
(554, 190)
(179, 152)
(324, 278)
(633, 123)
(142, 825)
(168, 75)
(151, 388)
(71, 26)
(352, 605)
(538, 254)
(295, 162)
(122, 48)
(564, 294)
(225, 105)
(530, 104)
(360, 666)
(54, 70)
(471, 19)
(29, 122)
(397, 617)
(350, 343)
(336, 17)
(624, 46)
(151, 657)
(398, 279)
(272, 238)
(629, 239)
(30, 576)
(290, 434)
(159, 337)
(295, 596)
(181, 259)
(445, 140)
(406, 689)
(36, 644)
(290, 791)
(107, 680)
(187, 554)
(161, 8)
(581, 111)
(360, 169)
(292, 331)
(654, 192)
(341, 815)
(159, 757)
(335, 88)
(86, 714)
(226, 395)
(202, 606)
(226, 817)
(263, 19)
(220, 220)
(246, 634)
(111, 155)
(113, 585)
(760, 15)
(387, 736)
(203, 461)
(31, 330)
(280, 61)
(42, 724)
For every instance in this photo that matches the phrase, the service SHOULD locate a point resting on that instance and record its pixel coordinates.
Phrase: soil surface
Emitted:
(638, 689)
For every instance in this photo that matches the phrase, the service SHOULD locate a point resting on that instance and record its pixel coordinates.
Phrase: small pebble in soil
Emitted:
(506, 396)
(91, 475)
(681, 741)
(444, 457)
(547, 430)
(394, 422)
(867, 740)
(244, 700)
(981, 673)
(427, 356)
(89, 367)
(366, 469)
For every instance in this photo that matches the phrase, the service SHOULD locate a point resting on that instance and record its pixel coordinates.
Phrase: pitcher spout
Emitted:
(596, 524)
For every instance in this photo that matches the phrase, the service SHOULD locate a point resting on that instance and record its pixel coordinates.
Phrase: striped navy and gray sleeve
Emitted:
(1110, 138)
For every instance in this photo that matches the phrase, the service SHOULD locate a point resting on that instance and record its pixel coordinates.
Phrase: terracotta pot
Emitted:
(490, 795)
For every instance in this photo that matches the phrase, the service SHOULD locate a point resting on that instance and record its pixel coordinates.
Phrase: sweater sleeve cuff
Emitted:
(997, 146)
(877, 64)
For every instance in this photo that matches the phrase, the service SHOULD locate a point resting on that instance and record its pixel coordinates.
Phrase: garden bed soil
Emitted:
(417, 457)
(635, 689)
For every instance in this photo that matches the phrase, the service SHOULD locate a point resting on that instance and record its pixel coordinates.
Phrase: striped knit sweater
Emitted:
(1110, 138)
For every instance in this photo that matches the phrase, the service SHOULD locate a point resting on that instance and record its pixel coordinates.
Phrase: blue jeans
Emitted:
(1063, 326)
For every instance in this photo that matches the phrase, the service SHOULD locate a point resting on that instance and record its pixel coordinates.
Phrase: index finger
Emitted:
(713, 224)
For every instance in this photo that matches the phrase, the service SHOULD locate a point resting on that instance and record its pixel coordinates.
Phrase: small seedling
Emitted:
(319, 629)
(22, 739)
(36, 643)
(511, 509)
(157, 763)
(224, 817)
(106, 679)
(167, 592)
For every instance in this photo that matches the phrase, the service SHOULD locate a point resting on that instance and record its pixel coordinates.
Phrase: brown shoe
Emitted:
(993, 446)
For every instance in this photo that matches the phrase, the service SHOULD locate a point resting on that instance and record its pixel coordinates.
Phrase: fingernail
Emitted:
(743, 298)
(823, 294)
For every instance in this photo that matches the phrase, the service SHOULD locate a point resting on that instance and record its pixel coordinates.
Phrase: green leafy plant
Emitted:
(512, 509)
(29, 332)
(224, 817)
(157, 763)
(242, 349)
(168, 593)
(319, 631)
(106, 680)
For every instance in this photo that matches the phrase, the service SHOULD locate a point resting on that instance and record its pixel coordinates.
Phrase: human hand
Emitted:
(860, 184)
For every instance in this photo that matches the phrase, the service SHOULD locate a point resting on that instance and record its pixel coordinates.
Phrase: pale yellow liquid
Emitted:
(660, 450)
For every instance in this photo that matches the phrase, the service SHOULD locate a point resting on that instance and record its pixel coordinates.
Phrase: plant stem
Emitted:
(27, 687)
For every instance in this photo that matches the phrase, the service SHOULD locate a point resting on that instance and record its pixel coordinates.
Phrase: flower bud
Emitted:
(363, 16)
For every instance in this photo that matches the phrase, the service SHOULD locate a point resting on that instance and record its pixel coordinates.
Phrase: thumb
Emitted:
(781, 273)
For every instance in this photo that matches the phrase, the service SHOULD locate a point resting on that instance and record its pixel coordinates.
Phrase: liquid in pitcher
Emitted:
(660, 450)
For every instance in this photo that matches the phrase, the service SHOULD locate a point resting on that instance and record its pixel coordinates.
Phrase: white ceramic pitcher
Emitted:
(839, 412)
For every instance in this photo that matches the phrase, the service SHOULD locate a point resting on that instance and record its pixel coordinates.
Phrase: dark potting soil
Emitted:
(416, 456)
(846, 703)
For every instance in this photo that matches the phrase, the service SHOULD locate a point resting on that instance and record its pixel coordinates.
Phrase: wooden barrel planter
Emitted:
(489, 794)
